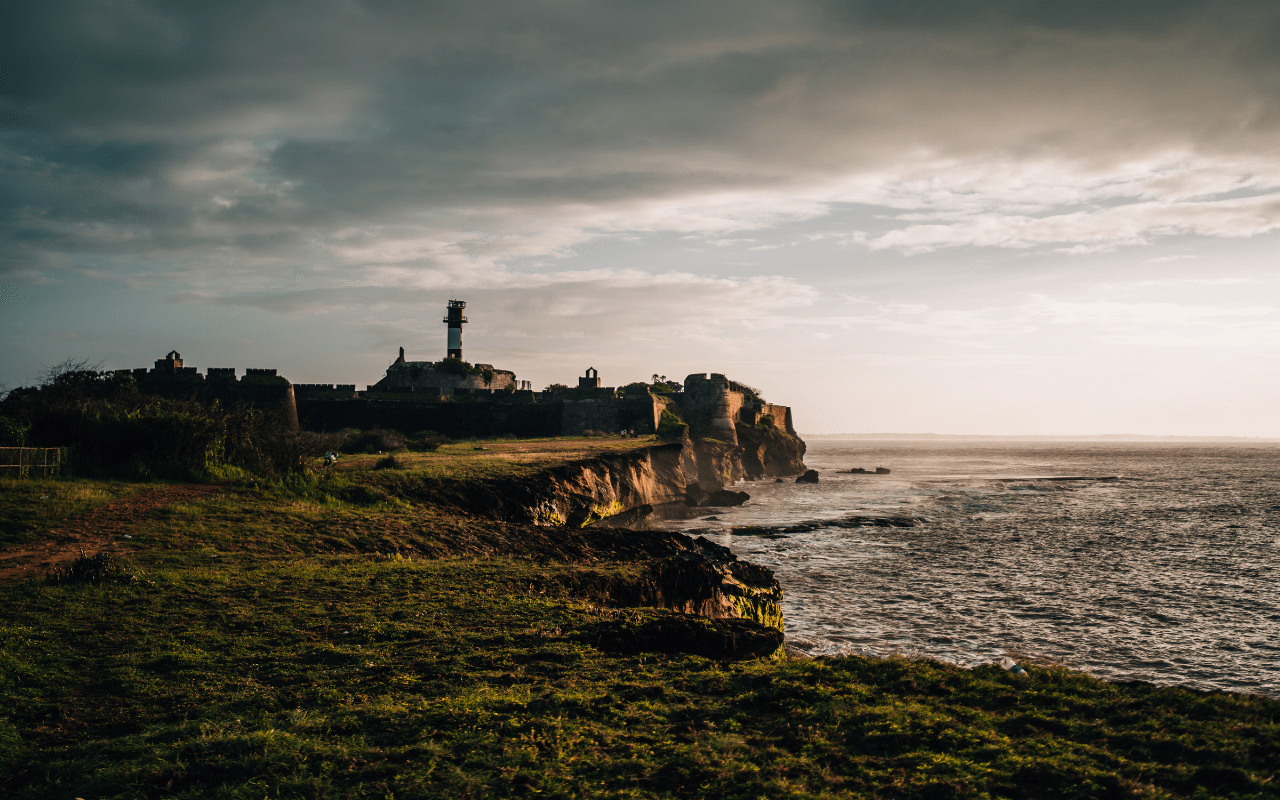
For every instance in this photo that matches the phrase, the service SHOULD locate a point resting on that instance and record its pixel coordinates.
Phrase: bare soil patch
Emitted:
(100, 529)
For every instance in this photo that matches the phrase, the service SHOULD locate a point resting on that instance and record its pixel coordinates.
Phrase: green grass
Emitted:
(29, 507)
(350, 677)
(499, 459)
(291, 640)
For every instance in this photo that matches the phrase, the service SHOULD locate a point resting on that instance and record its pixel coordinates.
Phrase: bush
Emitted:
(669, 423)
(391, 462)
(13, 432)
(112, 429)
(456, 366)
(427, 440)
(375, 440)
(751, 393)
(96, 569)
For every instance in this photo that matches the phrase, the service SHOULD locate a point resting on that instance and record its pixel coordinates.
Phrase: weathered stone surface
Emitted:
(810, 476)
(722, 639)
(695, 495)
(769, 452)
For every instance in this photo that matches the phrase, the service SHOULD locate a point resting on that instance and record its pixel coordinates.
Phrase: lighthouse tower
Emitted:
(455, 321)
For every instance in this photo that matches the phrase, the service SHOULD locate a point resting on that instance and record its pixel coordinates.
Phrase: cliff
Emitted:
(590, 509)
(592, 490)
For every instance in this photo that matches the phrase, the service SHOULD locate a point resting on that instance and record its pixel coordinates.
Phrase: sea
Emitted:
(1130, 561)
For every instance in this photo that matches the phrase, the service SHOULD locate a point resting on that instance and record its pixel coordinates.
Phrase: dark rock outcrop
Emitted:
(695, 495)
(851, 521)
(810, 476)
(727, 497)
(723, 639)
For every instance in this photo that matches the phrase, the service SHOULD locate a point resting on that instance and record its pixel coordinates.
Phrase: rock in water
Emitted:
(809, 477)
(695, 495)
(727, 497)
(882, 470)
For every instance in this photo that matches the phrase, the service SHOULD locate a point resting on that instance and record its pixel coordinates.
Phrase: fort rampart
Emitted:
(462, 401)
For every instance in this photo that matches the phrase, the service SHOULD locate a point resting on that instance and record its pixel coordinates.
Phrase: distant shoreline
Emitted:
(967, 437)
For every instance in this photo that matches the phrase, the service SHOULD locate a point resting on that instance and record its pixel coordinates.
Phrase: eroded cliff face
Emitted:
(605, 486)
(676, 572)
(768, 452)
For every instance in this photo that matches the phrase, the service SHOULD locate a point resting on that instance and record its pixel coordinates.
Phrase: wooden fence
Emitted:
(25, 462)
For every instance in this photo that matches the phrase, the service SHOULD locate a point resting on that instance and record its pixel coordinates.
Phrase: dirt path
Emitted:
(100, 529)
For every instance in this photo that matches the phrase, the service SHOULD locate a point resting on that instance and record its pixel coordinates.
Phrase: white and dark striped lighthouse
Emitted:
(455, 321)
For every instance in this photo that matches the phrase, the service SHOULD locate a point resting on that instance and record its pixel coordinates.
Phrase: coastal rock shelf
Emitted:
(851, 521)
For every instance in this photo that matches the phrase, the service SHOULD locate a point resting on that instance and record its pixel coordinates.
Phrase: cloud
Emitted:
(614, 305)
(1151, 324)
(423, 144)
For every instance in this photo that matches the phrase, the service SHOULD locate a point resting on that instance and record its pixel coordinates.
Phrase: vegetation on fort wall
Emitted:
(111, 429)
(669, 424)
(458, 368)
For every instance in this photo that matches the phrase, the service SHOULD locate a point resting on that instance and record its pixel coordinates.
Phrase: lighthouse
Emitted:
(455, 321)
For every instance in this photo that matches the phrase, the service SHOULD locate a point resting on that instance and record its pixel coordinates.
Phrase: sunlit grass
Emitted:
(456, 678)
(30, 506)
(296, 638)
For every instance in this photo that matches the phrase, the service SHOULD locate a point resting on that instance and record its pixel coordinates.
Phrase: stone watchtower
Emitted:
(710, 407)
(455, 321)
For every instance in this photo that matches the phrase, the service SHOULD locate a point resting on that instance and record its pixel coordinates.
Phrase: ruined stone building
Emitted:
(456, 399)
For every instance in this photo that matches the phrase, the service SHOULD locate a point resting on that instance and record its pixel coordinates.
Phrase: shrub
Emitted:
(391, 462)
(663, 385)
(375, 440)
(427, 440)
(13, 432)
(766, 421)
(96, 569)
(111, 428)
(456, 366)
(669, 423)
(752, 394)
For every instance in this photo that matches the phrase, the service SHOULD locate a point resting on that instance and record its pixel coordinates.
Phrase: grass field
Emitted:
(277, 640)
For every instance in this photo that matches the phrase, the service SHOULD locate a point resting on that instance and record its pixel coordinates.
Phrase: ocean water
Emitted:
(1166, 571)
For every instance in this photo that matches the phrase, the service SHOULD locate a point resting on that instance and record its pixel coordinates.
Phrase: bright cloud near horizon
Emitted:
(1009, 217)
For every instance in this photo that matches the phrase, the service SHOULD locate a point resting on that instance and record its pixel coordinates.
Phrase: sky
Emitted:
(911, 216)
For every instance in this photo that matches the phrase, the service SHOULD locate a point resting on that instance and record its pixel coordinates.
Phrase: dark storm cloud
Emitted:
(242, 130)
